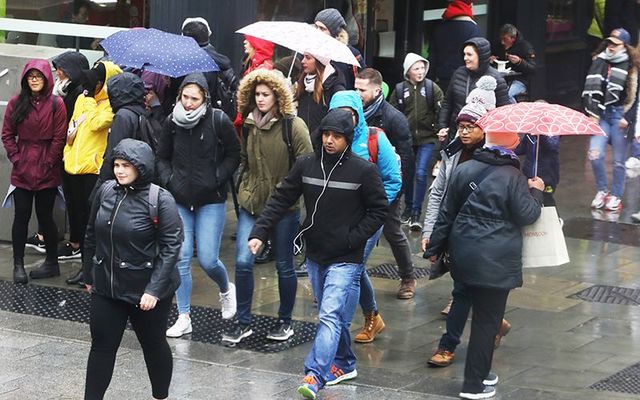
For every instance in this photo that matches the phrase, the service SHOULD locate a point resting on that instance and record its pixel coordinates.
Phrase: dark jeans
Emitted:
(457, 318)
(107, 322)
(77, 189)
(23, 202)
(415, 193)
(488, 310)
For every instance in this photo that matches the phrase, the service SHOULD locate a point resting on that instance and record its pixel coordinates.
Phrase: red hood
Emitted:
(263, 49)
(44, 67)
(458, 8)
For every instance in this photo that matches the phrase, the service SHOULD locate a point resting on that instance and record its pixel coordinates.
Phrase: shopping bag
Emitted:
(543, 243)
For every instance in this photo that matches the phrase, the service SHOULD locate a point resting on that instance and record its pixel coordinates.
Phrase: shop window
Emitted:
(561, 20)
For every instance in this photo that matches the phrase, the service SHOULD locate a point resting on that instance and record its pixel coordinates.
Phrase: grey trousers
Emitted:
(398, 241)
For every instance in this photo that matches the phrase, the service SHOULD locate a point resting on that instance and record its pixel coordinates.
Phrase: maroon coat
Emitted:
(35, 145)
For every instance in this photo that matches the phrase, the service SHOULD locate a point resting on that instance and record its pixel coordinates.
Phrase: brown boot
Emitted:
(407, 289)
(373, 324)
(441, 358)
(505, 327)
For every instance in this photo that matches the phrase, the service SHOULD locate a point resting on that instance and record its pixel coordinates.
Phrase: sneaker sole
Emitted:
(281, 338)
(238, 339)
(37, 248)
(306, 392)
(351, 375)
(173, 335)
(415, 228)
(475, 396)
(493, 382)
(71, 257)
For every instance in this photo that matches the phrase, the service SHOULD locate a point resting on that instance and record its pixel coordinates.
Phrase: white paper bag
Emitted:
(543, 242)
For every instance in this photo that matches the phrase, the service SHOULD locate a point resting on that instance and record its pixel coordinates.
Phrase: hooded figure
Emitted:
(464, 81)
(71, 64)
(259, 54)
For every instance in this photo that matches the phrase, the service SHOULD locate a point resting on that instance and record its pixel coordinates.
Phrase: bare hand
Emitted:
(623, 124)
(425, 244)
(254, 245)
(536, 183)
(148, 302)
(443, 134)
(433, 259)
(513, 59)
(88, 287)
(492, 59)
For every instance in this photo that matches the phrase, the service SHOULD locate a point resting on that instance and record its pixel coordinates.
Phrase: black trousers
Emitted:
(107, 321)
(488, 310)
(23, 201)
(77, 189)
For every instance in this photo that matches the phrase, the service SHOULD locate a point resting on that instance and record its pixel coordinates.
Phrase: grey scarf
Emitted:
(261, 119)
(372, 108)
(188, 119)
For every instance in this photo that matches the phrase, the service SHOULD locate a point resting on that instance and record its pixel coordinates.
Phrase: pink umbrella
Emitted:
(538, 119)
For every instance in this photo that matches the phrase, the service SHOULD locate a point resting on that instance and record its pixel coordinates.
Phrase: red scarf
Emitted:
(458, 8)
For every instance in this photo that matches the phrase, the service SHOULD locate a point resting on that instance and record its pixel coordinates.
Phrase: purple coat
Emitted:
(35, 145)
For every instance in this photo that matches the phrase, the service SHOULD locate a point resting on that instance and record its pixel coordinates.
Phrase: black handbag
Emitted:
(440, 267)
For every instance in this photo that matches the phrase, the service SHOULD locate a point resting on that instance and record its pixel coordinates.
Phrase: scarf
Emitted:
(188, 119)
(60, 87)
(261, 119)
(373, 108)
(611, 69)
(309, 83)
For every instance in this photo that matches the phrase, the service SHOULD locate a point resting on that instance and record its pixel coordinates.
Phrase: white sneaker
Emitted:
(181, 327)
(228, 302)
(614, 203)
(635, 217)
(600, 200)
(632, 163)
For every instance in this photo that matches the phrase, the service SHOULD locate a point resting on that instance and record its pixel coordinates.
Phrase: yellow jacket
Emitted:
(84, 155)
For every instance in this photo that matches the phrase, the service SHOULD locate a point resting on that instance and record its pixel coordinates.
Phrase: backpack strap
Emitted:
(372, 144)
(287, 137)
(400, 95)
(154, 196)
(475, 182)
(428, 85)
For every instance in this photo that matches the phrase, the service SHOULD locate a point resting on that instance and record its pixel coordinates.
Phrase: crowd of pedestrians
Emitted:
(140, 206)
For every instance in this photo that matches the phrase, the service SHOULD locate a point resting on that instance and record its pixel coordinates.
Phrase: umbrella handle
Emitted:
(535, 170)
(293, 61)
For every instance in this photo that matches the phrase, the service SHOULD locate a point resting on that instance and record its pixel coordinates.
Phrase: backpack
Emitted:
(225, 97)
(148, 131)
(372, 145)
(287, 138)
(401, 89)
(153, 199)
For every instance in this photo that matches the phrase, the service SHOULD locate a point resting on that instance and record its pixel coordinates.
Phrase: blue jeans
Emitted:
(206, 223)
(414, 195)
(336, 287)
(619, 146)
(516, 88)
(367, 295)
(457, 318)
(282, 242)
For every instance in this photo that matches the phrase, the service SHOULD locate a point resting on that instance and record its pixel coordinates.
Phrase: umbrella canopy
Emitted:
(302, 38)
(538, 119)
(158, 51)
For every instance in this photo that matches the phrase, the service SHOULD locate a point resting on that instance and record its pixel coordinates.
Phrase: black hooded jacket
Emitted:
(312, 112)
(125, 254)
(126, 96)
(340, 220)
(196, 164)
(464, 81)
(71, 63)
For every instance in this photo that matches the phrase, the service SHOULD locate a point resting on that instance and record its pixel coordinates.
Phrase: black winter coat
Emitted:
(71, 63)
(464, 81)
(125, 255)
(396, 127)
(524, 50)
(352, 208)
(483, 236)
(312, 112)
(196, 164)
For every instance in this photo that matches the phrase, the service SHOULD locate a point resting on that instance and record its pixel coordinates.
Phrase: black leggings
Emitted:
(23, 200)
(108, 321)
(77, 189)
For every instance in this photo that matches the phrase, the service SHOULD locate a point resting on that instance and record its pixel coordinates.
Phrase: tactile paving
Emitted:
(208, 325)
(625, 381)
(609, 295)
(390, 271)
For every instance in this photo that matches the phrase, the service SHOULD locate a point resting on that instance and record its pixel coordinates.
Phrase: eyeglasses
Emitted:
(469, 128)
(35, 77)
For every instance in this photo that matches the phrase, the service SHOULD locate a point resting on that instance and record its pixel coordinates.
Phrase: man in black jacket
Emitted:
(346, 204)
(520, 56)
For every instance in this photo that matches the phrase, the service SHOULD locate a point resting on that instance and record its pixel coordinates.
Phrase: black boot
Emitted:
(48, 269)
(266, 255)
(19, 275)
(77, 279)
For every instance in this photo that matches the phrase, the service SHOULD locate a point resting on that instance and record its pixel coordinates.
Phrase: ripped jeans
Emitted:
(617, 138)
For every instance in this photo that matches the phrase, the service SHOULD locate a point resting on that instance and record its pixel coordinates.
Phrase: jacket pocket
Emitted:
(132, 278)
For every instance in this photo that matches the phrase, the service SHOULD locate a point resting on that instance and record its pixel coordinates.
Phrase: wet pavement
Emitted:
(561, 346)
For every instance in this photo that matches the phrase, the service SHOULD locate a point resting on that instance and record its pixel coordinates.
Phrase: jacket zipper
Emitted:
(191, 208)
(415, 107)
(115, 214)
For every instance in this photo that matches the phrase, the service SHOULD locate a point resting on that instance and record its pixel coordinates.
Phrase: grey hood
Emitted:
(199, 79)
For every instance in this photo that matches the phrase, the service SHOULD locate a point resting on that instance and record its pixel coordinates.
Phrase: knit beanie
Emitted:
(332, 20)
(458, 8)
(197, 28)
(480, 100)
(412, 58)
(502, 139)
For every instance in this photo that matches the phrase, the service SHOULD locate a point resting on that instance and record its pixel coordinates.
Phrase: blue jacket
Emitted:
(387, 159)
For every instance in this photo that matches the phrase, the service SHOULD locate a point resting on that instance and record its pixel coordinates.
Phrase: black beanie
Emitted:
(198, 31)
(332, 19)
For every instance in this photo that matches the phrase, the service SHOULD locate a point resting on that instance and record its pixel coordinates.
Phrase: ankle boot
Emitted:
(19, 275)
(77, 279)
(48, 269)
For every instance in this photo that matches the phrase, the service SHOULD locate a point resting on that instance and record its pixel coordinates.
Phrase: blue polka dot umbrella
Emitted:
(158, 51)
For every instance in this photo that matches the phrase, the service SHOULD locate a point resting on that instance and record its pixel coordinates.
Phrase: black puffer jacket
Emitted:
(464, 81)
(483, 236)
(126, 96)
(312, 112)
(71, 63)
(125, 255)
(196, 164)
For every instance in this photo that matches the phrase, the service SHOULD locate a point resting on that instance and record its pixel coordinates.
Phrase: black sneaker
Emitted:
(491, 379)
(281, 332)
(301, 270)
(415, 225)
(487, 393)
(236, 335)
(67, 252)
(33, 242)
(405, 218)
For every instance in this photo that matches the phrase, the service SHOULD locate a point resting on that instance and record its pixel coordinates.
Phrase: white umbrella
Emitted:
(302, 38)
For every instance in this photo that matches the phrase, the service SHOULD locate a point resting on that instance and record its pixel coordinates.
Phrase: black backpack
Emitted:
(225, 96)
(401, 88)
(148, 131)
(286, 138)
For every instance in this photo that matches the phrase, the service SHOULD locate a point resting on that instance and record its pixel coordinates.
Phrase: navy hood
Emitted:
(140, 155)
(484, 53)
(71, 63)
(125, 89)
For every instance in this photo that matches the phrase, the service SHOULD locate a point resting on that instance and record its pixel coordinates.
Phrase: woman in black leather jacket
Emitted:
(129, 260)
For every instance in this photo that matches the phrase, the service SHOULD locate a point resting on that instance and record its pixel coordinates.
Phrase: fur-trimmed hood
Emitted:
(274, 80)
